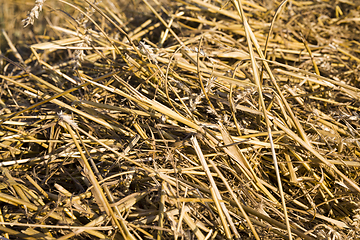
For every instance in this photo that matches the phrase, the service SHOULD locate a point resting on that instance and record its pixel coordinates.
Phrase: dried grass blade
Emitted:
(16, 233)
(98, 192)
(316, 154)
(15, 201)
(13, 48)
(215, 193)
(234, 152)
(249, 33)
(235, 199)
(161, 210)
(93, 223)
(193, 227)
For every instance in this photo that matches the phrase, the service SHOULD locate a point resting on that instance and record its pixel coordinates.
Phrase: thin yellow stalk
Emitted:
(259, 51)
(200, 76)
(98, 192)
(162, 21)
(115, 25)
(248, 32)
(316, 154)
(276, 16)
(61, 104)
(311, 56)
(234, 152)
(6, 235)
(292, 173)
(12, 47)
(148, 103)
(161, 211)
(11, 181)
(60, 94)
(182, 212)
(193, 227)
(215, 193)
(15, 201)
(93, 223)
(97, 26)
(325, 80)
(233, 109)
(235, 199)
(10, 231)
(308, 168)
(348, 54)
(221, 215)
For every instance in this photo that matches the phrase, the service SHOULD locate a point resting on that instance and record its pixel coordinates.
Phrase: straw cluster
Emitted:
(188, 119)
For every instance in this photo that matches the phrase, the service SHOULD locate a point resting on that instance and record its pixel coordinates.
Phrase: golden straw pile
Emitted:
(187, 119)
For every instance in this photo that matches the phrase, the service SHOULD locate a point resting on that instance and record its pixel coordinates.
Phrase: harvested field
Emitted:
(186, 119)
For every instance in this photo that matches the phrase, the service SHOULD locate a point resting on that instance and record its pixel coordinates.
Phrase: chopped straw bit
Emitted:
(180, 120)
